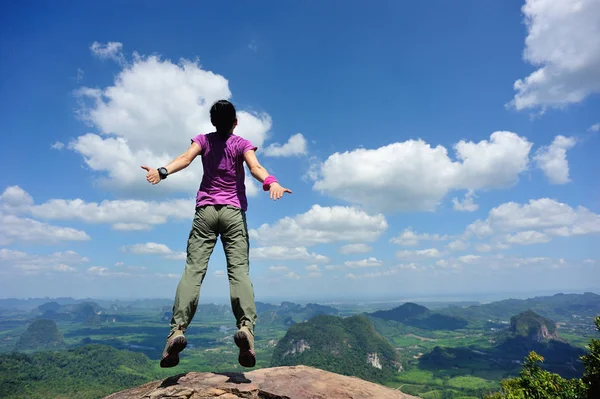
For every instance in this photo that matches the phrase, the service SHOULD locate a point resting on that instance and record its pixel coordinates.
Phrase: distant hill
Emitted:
(531, 325)
(289, 313)
(421, 317)
(41, 334)
(348, 346)
(559, 307)
(527, 332)
(84, 312)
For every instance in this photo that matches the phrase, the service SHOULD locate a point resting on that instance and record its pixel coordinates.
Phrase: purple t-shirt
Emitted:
(223, 163)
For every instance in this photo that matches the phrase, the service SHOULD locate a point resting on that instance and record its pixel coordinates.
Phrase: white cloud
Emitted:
(122, 214)
(563, 42)
(554, 217)
(467, 204)
(421, 253)
(110, 50)
(468, 258)
(412, 175)
(285, 253)
(315, 275)
(23, 262)
(292, 276)
(295, 146)
(279, 268)
(552, 159)
(14, 228)
(358, 248)
(322, 225)
(334, 267)
(527, 237)
(386, 272)
(537, 221)
(457, 245)
(152, 248)
(148, 116)
(357, 264)
(312, 268)
(595, 127)
(409, 238)
(105, 272)
(58, 145)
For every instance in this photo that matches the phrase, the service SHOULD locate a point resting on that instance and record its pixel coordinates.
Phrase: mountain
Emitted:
(41, 334)
(527, 332)
(348, 346)
(559, 307)
(419, 316)
(289, 313)
(533, 326)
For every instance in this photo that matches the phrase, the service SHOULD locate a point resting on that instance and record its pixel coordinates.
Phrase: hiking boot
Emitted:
(176, 342)
(244, 339)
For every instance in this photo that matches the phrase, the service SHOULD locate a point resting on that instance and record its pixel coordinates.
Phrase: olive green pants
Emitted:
(209, 222)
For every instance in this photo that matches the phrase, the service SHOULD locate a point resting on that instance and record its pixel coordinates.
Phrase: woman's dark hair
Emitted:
(223, 116)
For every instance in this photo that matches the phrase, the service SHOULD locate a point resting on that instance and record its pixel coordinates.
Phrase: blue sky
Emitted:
(438, 148)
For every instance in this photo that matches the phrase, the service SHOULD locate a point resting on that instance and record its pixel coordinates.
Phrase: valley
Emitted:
(455, 350)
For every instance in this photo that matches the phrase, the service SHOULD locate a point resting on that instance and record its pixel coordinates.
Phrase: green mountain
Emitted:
(348, 346)
(84, 373)
(530, 325)
(559, 307)
(41, 334)
(419, 316)
(527, 332)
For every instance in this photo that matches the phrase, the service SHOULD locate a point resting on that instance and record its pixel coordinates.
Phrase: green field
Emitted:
(142, 329)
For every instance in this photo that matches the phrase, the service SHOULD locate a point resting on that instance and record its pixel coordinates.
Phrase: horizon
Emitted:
(432, 148)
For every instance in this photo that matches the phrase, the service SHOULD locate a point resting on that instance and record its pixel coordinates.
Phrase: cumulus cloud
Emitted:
(357, 248)
(409, 238)
(457, 245)
(527, 238)
(421, 253)
(58, 145)
(22, 262)
(16, 229)
(552, 159)
(563, 42)
(148, 116)
(322, 225)
(357, 264)
(595, 127)
(152, 248)
(295, 146)
(286, 253)
(109, 50)
(411, 175)
(121, 214)
(467, 204)
(292, 276)
(534, 222)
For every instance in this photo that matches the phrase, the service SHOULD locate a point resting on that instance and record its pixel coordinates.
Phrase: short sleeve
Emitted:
(245, 145)
(201, 141)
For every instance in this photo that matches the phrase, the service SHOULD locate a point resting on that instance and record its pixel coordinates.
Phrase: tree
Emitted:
(591, 361)
(534, 382)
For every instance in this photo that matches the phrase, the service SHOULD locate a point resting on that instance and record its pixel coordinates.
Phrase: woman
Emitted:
(220, 211)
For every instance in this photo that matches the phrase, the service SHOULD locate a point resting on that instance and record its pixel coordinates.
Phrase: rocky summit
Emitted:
(293, 382)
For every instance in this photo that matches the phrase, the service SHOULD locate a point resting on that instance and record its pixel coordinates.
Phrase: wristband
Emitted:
(268, 181)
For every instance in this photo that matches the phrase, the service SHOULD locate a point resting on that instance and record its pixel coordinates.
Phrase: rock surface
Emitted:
(295, 382)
